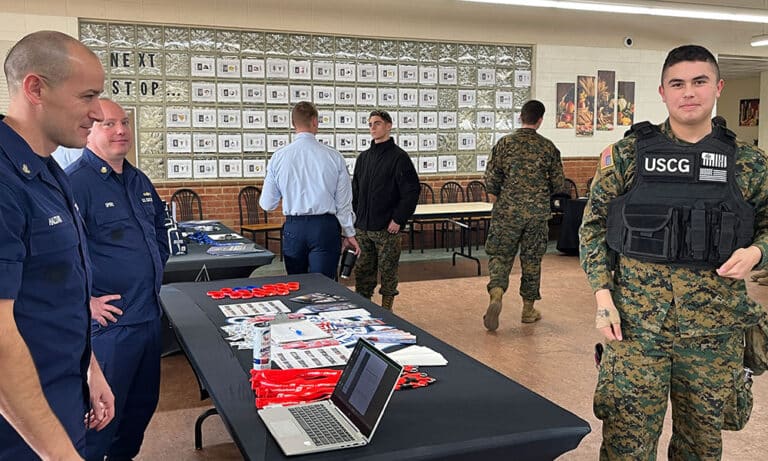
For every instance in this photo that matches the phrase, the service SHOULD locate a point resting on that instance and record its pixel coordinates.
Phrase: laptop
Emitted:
(349, 418)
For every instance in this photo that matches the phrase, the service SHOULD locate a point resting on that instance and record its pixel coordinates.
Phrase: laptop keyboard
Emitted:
(320, 425)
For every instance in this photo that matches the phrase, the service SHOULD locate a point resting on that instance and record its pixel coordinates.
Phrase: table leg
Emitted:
(464, 228)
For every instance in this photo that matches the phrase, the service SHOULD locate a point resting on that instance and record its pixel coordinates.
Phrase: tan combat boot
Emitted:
(530, 314)
(387, 302)
(491, 317)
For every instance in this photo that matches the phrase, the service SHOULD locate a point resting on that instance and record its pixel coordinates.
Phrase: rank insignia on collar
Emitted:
(146, 194)
(25, 168)
(103, 169)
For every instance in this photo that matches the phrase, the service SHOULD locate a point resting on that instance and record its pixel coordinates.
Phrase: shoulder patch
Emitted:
(606, 157)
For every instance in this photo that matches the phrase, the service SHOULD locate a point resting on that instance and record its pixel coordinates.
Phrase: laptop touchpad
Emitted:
(286, 428)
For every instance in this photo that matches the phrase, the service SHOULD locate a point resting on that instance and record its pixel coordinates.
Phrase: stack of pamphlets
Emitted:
(419, 356)
(233, 249)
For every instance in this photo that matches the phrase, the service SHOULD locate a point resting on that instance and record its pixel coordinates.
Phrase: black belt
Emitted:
(308, 217)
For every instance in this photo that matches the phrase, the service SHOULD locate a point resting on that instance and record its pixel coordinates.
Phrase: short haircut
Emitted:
(303, 113)
(45, 52)
(384, 115)
(531, 112)
(691, 53)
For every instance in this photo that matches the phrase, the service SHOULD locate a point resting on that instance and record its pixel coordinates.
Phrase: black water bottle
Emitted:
(348, 260)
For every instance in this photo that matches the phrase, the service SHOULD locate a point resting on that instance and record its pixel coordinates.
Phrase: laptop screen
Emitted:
(365, 386)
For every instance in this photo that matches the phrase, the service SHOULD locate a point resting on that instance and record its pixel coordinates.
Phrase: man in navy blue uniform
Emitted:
(45, 356)
(128, 244)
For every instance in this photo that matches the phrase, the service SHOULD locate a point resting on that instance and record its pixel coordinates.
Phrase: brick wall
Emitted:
(220, 198)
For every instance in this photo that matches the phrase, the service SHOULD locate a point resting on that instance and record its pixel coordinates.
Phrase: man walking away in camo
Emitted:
(524, 171)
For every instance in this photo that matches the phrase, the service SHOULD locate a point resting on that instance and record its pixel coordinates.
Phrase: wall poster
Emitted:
(585, 107)
(566, 107)
(749, 112)
(606, 100)
(625, 104)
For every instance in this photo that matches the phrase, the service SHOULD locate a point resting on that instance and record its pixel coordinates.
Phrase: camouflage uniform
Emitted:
(379, 252)
(682, 327)
(523, 172)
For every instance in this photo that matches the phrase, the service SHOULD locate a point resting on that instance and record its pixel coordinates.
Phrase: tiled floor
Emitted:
(552, 357)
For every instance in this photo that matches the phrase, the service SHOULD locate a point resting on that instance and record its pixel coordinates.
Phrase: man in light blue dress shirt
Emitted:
(312, 180)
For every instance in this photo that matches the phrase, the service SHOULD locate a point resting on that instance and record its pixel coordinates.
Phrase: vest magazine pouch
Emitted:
(697, 231)
(614, 236)
(651, 232)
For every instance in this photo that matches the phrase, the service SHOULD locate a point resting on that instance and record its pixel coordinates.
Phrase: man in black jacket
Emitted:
(385, 190)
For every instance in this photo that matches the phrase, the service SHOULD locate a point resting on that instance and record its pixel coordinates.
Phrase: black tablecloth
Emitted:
(185, 268)
(471, 412)
(568, 241)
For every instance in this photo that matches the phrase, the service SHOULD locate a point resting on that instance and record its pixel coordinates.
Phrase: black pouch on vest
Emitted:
(651, 232)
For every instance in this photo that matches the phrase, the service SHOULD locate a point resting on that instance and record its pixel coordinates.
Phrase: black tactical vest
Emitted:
(684, 208)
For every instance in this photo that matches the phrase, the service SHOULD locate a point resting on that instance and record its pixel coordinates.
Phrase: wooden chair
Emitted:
(450, 192)
(188, 205)
(250, 218)
(569, 187)
(426, 196)
(476, 192)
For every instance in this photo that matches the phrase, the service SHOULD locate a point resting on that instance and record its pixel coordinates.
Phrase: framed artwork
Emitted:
(749, 112)
(585, 107)
(625, 104)
(606, 100)
(566, 106)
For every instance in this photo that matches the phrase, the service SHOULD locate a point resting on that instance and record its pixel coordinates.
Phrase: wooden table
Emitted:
(461, 214)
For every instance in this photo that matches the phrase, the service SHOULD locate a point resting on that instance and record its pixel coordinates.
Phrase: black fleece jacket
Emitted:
(385, 186)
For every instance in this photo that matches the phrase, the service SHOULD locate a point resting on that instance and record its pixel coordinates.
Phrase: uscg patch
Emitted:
(606, 157)
(668, 165)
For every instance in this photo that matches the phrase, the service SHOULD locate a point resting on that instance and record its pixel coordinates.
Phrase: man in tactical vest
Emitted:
(677, 217)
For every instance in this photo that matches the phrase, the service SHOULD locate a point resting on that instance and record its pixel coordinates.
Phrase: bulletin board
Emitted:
(214, 103)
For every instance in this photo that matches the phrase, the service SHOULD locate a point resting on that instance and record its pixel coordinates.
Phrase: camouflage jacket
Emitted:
(705, 303)
(523, 172)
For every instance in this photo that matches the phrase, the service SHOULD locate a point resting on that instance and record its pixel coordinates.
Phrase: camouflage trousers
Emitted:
(379, 252)
(505, 238)
(701, 376)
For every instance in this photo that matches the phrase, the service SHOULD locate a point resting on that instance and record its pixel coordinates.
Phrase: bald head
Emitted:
(47, 53)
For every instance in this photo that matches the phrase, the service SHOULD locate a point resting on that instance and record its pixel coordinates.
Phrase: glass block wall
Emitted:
(215, 103)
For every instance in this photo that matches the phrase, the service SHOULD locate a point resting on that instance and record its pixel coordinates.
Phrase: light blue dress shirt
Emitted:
(312, 179)
(65, 156)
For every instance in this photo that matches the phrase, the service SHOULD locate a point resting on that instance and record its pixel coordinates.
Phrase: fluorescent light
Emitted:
(759, 40)
(650, 8)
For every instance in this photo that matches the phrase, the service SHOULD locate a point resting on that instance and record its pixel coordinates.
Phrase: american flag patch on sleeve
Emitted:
(606, 157)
